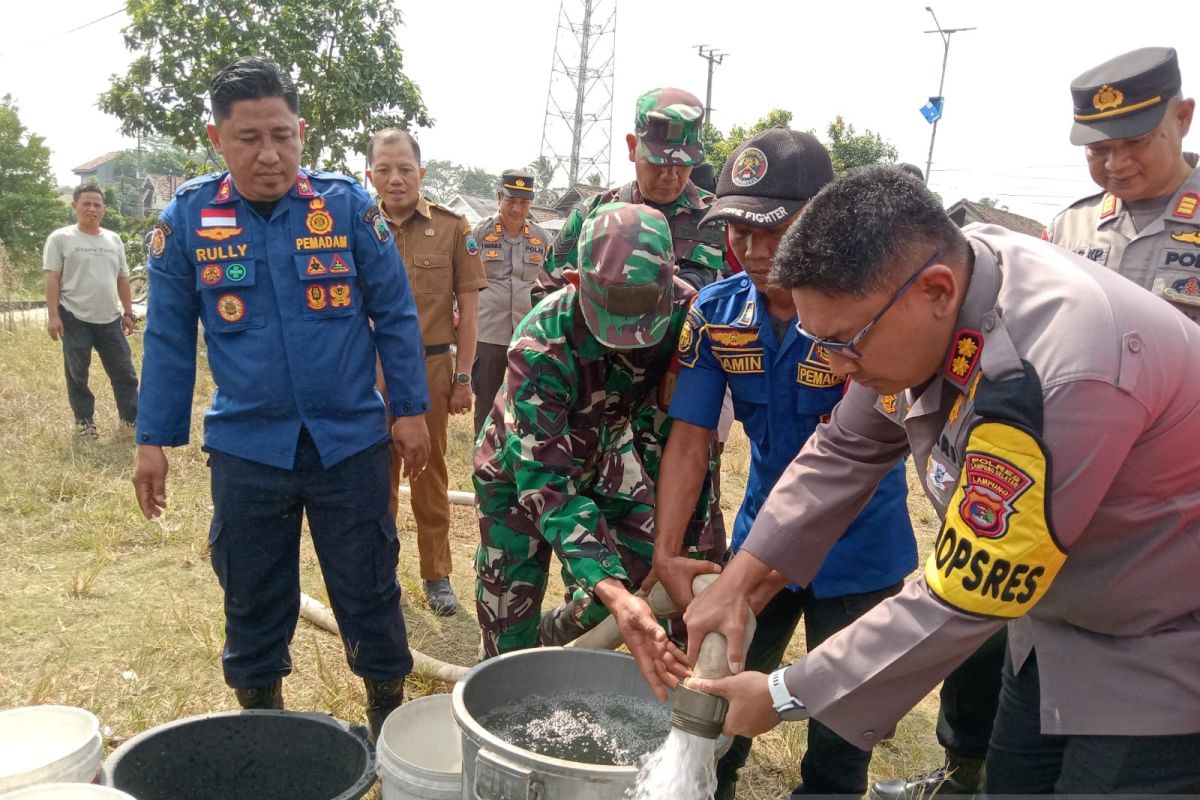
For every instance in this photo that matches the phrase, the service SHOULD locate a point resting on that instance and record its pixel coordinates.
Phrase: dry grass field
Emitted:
(104, 610)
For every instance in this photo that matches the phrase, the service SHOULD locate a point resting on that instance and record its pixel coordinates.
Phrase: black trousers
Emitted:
(830, 765)
(255, 540)
(79, 338)
(969, 698)
(487, 375)
(1023, 760)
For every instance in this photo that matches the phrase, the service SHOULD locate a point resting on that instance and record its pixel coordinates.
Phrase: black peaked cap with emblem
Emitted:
(517, 183)
(1125, 96)
(769, 177)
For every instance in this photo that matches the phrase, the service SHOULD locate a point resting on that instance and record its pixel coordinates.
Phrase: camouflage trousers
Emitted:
(512, 563)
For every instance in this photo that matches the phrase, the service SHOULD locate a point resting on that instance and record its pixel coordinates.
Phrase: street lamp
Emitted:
(939, 101)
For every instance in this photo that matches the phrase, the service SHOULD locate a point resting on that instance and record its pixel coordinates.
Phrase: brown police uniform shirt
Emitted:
(1164, 256)
(512, 266)
(1088, 540)
(442, 260)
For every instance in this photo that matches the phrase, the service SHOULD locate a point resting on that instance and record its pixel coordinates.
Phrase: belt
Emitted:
(436, 349)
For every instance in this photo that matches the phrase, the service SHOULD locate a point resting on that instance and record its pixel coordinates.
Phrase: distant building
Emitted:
(964, 212)
(98, 170)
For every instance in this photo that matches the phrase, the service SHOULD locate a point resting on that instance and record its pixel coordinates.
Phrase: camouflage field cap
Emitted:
(667, 125)
(626, 264)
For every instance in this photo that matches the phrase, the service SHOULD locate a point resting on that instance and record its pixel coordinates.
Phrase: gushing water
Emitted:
(615, 730)
(684, 768)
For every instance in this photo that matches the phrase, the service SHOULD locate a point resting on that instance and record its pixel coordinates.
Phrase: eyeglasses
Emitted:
(849, 348)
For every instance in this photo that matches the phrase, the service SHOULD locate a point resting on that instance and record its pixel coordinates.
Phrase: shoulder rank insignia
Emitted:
(964, 355)
(224, 191)
(1186, 207)
(303, 187)
(1108, 207)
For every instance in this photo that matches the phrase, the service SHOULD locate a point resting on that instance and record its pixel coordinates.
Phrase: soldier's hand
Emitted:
(54, 327)
(150, 480)
(660, 662)
(411, 436)
(460, 399)
(676, 574)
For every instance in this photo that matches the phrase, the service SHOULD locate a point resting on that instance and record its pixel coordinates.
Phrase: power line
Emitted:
(25, 44)
(93, 22)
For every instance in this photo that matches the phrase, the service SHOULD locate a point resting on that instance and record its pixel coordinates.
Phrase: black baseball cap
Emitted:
(1125, 96)
(769, 177)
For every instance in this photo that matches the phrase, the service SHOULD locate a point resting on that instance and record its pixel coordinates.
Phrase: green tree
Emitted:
(29, 205)
(477, 181)
(441, 180)
(849, 150)
(342, 55)
(543, 177)
(718, 146)
(595, 179)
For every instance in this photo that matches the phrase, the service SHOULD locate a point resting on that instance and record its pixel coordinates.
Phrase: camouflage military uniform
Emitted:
(558, 468)
(667, 124)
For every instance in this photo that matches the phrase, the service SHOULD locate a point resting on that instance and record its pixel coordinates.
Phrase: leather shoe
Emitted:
(960, 776)
(269, 696)
(383, 697)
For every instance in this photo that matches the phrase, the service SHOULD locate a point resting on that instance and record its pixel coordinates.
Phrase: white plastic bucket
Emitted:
(419, 753)
(48, 744)
(67, 791)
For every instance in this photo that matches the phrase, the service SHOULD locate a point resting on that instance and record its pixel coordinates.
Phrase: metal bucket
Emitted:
(494, 769)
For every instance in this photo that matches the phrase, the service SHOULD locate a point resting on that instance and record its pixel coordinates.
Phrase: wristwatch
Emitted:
(788, 707)
(462, 378)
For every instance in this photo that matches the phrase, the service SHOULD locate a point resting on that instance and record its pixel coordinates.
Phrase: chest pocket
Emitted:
(818, 403)
(329, 283)
(430, 273)
(750, 394)
(1178, 276)
(227, 297)
(531, 263)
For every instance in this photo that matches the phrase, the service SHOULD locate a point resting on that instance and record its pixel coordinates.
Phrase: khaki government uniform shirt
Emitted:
(1163, 257)
(442, 260)
(512, 267)
(1117, 632)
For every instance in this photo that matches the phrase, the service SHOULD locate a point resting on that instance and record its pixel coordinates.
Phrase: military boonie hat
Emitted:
(626, 264)
(1125, 96)
(667, 125)
(517, 183)
(769, 177)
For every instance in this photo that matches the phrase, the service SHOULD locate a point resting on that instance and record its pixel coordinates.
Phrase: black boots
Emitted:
(269, 696)
(960, 776)
(383, 697)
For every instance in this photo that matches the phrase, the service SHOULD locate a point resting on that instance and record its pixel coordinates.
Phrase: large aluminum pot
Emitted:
(494, 769)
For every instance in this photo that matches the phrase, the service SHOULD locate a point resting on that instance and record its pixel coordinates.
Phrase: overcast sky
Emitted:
(484, 70)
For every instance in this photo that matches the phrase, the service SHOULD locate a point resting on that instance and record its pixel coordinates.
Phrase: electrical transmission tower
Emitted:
(577, 128)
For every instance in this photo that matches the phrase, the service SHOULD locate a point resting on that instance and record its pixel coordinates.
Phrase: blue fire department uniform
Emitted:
(296, 426)
(781, 391)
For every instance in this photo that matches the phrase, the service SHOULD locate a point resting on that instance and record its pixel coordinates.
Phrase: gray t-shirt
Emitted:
(90, 266)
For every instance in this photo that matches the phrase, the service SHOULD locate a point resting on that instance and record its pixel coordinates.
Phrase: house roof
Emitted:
(165, 185)
(542, 214)
(995, 216)
(482, 206)
(89, 166)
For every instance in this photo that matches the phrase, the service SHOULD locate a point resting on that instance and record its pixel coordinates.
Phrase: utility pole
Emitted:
(945, 33)
(714, 58)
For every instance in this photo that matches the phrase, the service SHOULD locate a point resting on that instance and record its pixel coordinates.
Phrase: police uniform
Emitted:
(512, 265)
(442, 260)
(1164, 256)
(1058, 445)
(296, 427)
(781, 391)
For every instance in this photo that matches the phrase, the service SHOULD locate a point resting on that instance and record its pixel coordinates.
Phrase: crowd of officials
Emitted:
(1047, 392)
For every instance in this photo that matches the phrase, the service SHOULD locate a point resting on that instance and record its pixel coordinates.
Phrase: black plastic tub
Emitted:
(245, 755)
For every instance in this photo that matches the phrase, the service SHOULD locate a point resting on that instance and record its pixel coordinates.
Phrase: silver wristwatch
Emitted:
(462, 378)
(788, 707)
